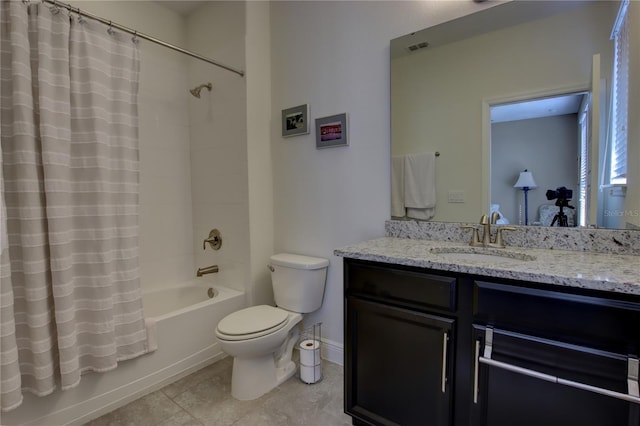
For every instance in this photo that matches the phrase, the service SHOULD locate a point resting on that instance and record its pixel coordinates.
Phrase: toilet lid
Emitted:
(256, 319)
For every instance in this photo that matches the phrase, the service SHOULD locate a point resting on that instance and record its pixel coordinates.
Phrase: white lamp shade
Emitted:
(525, 181)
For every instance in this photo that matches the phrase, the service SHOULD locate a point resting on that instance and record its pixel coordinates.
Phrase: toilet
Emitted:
(261, 338)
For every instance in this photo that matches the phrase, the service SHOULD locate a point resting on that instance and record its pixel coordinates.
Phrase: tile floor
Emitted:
(204, 398)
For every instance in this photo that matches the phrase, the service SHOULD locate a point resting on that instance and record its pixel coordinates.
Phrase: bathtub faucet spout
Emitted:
(208, 270)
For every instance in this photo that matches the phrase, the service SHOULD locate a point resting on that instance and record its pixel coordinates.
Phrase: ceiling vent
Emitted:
(417, 46)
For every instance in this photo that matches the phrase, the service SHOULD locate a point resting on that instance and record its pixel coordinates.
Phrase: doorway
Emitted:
(546, 136)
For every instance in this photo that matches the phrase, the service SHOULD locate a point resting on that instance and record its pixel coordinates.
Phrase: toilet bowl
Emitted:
(255, 370)
(261, 338)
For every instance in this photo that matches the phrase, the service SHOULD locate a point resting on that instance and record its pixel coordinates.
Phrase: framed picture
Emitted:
(295, 121)
(332, 131)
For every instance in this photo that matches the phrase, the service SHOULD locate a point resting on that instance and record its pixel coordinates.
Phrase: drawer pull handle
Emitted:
(632, 377)
(558, 380)
(476, 367)
(445, 339)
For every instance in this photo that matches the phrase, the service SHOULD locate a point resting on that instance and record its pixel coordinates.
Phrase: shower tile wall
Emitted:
(166, 233)
(219, 168)
(193, 152)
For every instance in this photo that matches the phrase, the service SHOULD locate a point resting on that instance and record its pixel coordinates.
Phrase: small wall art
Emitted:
(332, 131)
(295, 121)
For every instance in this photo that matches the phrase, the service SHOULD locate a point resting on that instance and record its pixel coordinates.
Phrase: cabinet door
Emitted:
(397, 365)
(527, 381)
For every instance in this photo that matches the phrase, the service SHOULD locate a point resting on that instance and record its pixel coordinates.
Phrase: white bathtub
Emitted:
(185, 319)
(164, 303)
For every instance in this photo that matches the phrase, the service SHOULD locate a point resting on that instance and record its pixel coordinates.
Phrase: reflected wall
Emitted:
(437, 93)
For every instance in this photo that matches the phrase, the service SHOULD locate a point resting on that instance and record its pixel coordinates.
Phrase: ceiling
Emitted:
(546, 107)
(490, 18)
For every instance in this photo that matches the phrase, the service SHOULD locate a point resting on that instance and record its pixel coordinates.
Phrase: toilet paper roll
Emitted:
(310, 352)
(310, 374)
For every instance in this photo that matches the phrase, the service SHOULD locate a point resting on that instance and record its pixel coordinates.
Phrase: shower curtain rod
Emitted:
(141, 35)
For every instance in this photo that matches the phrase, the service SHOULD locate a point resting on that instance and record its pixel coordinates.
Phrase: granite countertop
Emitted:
(607, 272)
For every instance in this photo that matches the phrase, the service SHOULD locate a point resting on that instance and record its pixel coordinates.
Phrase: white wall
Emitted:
(219, 167)
(547, 147)
(258, 61)
(335, 57)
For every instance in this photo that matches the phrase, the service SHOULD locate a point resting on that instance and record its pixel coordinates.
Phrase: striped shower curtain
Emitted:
(70, 295)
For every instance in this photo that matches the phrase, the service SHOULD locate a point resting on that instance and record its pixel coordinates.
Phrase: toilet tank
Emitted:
(298, 281)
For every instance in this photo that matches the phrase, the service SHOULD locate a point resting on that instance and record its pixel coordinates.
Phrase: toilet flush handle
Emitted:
(270, 268)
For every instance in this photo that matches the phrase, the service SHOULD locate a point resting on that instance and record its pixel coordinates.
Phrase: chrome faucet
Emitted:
(485, 240)
(207, 270)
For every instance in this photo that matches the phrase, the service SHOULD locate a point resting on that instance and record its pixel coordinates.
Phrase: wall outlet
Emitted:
(455, 196)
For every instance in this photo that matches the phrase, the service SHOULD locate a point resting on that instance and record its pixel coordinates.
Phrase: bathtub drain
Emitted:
(211, 293)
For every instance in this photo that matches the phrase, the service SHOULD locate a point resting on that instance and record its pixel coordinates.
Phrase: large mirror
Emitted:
(452, 89)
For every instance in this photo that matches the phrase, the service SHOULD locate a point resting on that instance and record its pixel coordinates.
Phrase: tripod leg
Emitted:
(563, 221)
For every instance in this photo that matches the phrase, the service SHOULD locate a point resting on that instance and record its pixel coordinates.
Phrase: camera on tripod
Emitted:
(562, 195)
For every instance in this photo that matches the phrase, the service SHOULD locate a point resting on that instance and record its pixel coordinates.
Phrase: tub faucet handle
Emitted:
(214, 240)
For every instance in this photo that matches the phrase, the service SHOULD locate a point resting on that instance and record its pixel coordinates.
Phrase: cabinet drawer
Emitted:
(609, 322)
(571, 385)
(403, 287)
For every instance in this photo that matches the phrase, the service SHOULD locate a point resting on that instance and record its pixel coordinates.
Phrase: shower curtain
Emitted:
(70, 295)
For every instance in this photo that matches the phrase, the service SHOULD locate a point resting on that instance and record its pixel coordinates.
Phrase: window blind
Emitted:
(620, 98)
(583, 156)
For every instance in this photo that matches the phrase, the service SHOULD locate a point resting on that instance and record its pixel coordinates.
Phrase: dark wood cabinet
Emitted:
(399, 364)
(527, 381)
(425, 347)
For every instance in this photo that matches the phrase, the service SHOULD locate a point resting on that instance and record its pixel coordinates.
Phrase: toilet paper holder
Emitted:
(310, 360)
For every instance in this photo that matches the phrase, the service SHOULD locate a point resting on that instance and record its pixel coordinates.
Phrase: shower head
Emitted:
(196, 91)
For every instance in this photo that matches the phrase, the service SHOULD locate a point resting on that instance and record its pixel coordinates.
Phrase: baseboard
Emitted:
(332, 351)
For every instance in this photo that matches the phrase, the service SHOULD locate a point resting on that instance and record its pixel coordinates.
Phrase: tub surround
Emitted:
(410, 243)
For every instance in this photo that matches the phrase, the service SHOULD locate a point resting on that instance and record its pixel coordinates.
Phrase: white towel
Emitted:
(397, 187)
(420, 185)
(152, 339)
(422, 214)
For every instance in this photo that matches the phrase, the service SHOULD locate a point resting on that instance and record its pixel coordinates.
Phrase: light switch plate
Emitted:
(455, 196)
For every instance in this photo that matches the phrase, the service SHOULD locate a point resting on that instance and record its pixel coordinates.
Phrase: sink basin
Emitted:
(478, 254)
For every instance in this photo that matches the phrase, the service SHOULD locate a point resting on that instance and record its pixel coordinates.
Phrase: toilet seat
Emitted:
(252, 322)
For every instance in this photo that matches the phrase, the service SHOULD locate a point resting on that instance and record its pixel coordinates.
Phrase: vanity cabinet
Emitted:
(426, 347)
(400, 328)
(399, 364)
